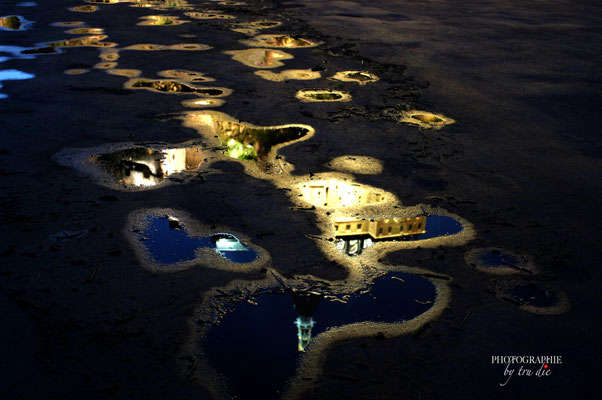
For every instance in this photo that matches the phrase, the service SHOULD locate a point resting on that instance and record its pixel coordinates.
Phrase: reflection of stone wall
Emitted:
(332, 194)
(382, 229)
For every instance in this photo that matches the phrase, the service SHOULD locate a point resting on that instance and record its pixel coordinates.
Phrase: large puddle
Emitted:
(175, 87)
(261, 340)
(168, 242)
(355, 235)
(244, 141)
(334, 193)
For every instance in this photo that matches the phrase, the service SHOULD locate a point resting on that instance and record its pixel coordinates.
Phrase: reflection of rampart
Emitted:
(334, 193)
(382, 229)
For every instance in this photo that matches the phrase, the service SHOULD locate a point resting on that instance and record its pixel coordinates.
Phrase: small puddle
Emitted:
(308, 95)
(355, 76)
(333, 193)
(86, 31)
(130, 73)
(76, 71)
(67, 24)
(425, 120)
(167, 242)
(355, 235)
(13, 75)
(266, 335)
(532, 295)
(160, 47)
(259, 58)
(244, 141)
(201, 15)
(105, 65)
(27, 4)
(289, 74)
(203, 103)
(499, 261)
(14, 23)
(185, 75)
(87, 41)
(175, 87)
(86, 8)
(279, 41)
(161, 20)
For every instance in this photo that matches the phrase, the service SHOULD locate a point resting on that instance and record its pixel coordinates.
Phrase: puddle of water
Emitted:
(142, 166)
(262, 342)
(67, 24)
(14, 23)
(76, 71)
(159, 47)
(259, 58)
(130, 73)
(86, 41)
(185, 75)
(161, 20)
(86, 31)
(176, 87)
(86, 8)
(307, 95)
(279, 41)
(203, 103)
(333, 193)
(360, 77)
(355, 235)
(244, 141)
(532, 295)
(167, 241)
(15, 52)
(495, 258)
(27, 4)
(425, 119)
(201, 15)
(289, 74)
(12, 75)
(105, 65)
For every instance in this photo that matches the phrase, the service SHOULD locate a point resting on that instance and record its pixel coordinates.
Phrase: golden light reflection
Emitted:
(87, 8)
(333, 193)
(360, 77)
(176, 87)
(131, 73)
(76, 71)
(259, 58)
(425, 119)
(185, 75)
(279, 41)
(86, 31)
(201, 15)
(309, 95)
(289, 74)
(388, 228)
(161, 20)
(203, 103)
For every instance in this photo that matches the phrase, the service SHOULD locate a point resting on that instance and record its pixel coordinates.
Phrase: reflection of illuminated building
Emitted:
(148, 167)
(337, 193)
(382, 229)
(246, 142)
(306, 305)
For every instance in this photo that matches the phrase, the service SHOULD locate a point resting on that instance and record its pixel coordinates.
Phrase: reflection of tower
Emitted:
(306, 305)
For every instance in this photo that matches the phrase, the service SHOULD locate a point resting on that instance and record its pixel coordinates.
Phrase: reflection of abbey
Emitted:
(334, 193)
(381, 229)
(147, 167)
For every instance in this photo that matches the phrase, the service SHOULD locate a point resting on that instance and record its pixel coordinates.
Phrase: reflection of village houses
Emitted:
(334, 193)
(147, 167)
(357, 234)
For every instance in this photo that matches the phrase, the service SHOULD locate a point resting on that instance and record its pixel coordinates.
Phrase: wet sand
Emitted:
(83, 317)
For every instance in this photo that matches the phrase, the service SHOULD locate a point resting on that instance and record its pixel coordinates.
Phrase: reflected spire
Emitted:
(306, 305)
